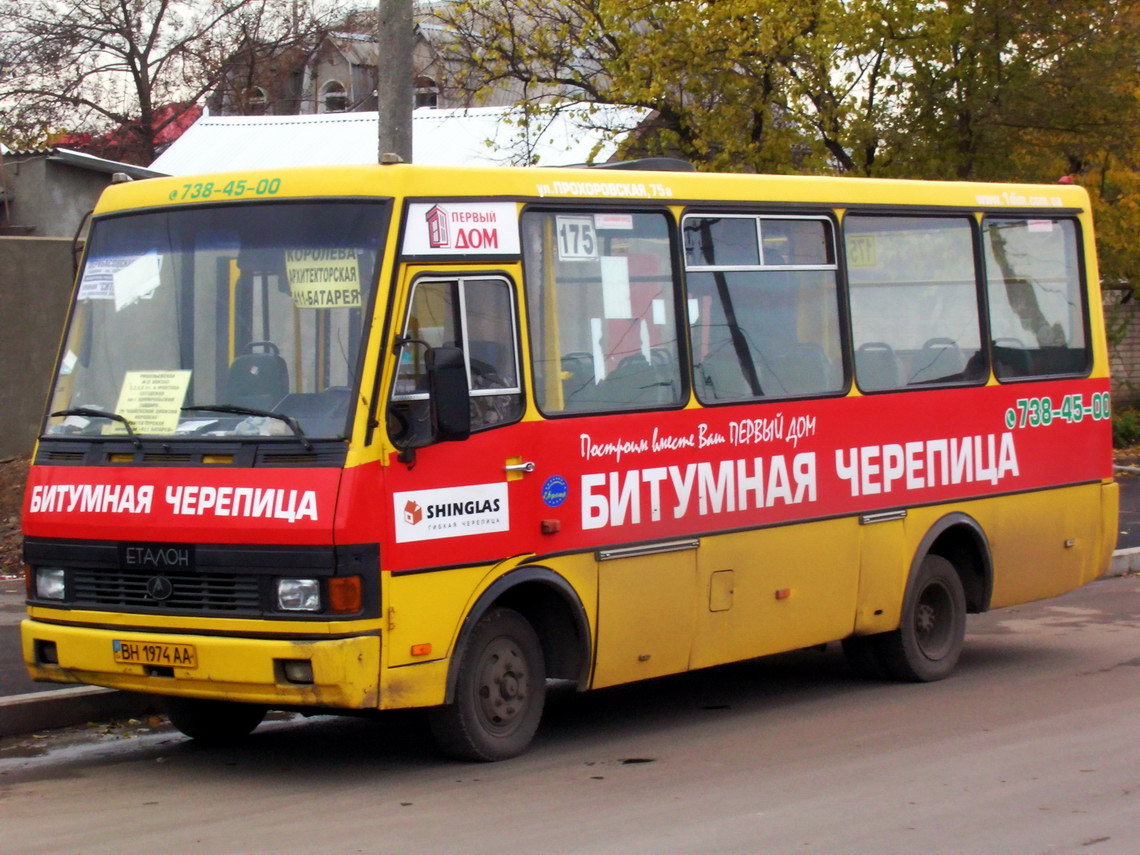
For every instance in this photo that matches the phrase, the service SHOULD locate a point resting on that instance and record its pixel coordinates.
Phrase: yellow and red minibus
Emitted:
(395, 436)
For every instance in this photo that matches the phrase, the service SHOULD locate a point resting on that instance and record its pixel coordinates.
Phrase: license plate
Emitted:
(155, 653)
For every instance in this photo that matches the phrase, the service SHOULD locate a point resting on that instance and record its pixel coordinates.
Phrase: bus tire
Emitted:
(499, 693)
(930, 636)
(213, 722)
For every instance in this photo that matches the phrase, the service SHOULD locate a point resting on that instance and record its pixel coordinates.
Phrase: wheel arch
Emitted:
(961, 540)
(552, 607)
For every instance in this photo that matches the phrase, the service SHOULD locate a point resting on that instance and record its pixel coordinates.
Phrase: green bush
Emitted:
(1125, 428)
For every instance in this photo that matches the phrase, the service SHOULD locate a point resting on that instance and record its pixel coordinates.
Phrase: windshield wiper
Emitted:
(100, 414)
(289, 421)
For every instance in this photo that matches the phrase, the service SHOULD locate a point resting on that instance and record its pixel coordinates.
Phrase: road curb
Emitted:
(1124, 561)
(23, 714)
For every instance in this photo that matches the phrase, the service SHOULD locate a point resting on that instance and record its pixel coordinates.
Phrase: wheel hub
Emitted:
(933, 631)
(502, 689)
(925, 619)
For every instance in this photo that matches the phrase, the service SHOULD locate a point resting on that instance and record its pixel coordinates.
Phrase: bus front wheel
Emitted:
(213, 722)
(930, 637)
(499, 694)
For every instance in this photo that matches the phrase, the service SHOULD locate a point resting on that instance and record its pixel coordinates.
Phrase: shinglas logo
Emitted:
(451, 512)
(413, 513)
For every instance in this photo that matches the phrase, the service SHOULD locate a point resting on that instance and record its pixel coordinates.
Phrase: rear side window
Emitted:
(1033, 283)
(915, 319)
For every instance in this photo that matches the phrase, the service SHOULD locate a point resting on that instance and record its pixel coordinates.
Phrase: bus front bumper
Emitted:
(276, 672)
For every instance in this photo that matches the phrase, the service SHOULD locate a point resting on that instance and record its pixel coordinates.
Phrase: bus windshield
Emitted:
(241, 320)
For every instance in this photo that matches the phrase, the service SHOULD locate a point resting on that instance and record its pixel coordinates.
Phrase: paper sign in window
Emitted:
(151, 401)
(615, 287)
(327, 278)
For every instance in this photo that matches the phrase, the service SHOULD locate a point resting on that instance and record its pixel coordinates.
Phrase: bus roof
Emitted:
(580, 184)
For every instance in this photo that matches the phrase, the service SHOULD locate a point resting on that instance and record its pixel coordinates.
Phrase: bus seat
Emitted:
(877, 367)
(939, 359)
(257, 379)
(1011, 359)
(634, 381)
(806, 370)
(719, 377)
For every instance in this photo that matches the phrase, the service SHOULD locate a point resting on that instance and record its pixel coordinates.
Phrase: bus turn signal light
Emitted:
(345, 595)
(421, 649)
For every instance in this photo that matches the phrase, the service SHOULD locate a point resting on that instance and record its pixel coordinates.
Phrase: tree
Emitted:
(717, 74)
(133, 66)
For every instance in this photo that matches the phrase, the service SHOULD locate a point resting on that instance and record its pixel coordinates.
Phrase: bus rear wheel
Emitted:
(213, 722)
(499, 694)
(929, 640)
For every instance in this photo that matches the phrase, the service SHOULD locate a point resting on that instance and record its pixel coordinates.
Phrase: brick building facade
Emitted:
(1123, 322)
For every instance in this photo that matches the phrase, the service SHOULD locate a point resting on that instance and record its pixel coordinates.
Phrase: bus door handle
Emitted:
(526, 467)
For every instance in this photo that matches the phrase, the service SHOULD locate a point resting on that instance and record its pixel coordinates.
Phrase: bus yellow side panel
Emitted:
(1044, 543)
(426, 611)
(788, 587)
(884, 563)
(645, 616)
(1109, 525)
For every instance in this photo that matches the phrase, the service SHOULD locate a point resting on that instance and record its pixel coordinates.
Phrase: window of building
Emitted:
(427, 92)
(763, 306)
(915, 319)
(256, 101)
(334, 97)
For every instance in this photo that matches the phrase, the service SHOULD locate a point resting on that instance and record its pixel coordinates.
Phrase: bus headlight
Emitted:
(51, 582)
(299, 595)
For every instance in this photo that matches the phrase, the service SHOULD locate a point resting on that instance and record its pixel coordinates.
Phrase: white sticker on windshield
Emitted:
(98, 282)
(137, 281)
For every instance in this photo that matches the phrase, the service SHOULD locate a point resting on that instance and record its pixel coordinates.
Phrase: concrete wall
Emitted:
(49, 196)
(35, 283)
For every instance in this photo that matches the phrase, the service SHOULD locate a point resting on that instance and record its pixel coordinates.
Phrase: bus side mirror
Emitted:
(450, 396)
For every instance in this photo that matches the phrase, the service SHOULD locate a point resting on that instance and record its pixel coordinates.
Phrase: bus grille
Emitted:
(200, 592)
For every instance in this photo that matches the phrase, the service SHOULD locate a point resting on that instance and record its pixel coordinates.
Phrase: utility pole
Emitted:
(394, 78)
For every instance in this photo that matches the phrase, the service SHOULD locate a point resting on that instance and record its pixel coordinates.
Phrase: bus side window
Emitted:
(764, 306)
(602, 299)
(477, 315)
(1033, 285)
(915, 320)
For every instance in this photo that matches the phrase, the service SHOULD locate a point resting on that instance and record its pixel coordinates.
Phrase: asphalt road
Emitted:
(1030, 748)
